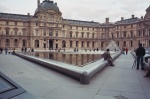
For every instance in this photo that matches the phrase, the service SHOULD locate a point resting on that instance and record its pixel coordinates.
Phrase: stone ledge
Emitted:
(84, 75)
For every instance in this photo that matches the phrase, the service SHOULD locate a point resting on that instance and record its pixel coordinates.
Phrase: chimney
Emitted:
(132, 16)
(107, 20)
(122, 18)
(28, 14)
(38, 3)
(141, 17)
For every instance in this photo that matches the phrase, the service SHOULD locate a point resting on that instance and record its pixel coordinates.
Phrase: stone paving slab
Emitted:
(118, 82)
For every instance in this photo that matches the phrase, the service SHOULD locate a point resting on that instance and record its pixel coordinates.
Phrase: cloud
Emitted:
(86, 10)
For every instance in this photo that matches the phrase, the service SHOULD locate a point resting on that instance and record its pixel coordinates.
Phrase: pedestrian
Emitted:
(6, 50)
(140, 52)
(108, 57)
(126, 50)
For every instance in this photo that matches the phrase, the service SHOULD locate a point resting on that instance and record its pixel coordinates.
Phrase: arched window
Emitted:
(24, 42)
(15, 42)
(63, 44)
(36, 44)
(7, 42)
(7, 31)
(76, 43)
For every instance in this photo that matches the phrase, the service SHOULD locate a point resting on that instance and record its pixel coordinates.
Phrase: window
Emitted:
(76, 43)
(124, 34)
(82, 34)
(117, 34)
(16, 32)
(76, 27)
(56, 33)
(63, 33)
(93, 44)
(82, 44)
(131, 43)
(50, 33)
(7, 23)
(131, 34)
(44, 32)
(7, 42)
(15, 42)
(24, 42)
(71, 34)
(70, 27)
(36, 44)
(7, 32)
(70, 43)
(36, 24)
(88, 34)
(143, 32)
(102, 44)
(37, 32)
(124, 27)
(16, 23)
(139, 33)
(76, 34)
(24, 32)
(88, 43)
(93, 35)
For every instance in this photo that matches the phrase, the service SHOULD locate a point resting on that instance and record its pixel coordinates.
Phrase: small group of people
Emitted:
(125, 50)
(140, 53)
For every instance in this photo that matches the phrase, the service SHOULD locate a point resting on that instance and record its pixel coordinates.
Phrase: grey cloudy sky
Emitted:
(86, 10)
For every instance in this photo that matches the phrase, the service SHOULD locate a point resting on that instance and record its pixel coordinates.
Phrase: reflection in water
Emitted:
(74, 59)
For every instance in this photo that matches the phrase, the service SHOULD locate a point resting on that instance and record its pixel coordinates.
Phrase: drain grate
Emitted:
(120, 97)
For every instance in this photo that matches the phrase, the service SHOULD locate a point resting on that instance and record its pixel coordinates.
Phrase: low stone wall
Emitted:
(82, 74)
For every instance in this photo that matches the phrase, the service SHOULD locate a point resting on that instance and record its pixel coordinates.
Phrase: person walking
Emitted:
(126, 50)
(108, 57)
(6, 50)
(140, 52)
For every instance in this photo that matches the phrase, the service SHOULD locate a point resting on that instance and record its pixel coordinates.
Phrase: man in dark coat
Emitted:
(140, 52)
(108, 57)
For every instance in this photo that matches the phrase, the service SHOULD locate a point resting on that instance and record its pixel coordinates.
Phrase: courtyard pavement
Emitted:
(118, 82)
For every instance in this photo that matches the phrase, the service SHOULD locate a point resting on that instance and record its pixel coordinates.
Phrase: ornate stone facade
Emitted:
(46, 29)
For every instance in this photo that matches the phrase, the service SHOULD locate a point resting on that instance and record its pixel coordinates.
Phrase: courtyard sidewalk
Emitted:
(111, 83)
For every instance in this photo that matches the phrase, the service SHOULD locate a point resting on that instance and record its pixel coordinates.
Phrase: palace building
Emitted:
(46, 29)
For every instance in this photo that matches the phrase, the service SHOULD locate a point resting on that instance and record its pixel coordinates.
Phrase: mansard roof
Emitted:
(15, 16)
(128, 21)
(83, 23)
(148, 9)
